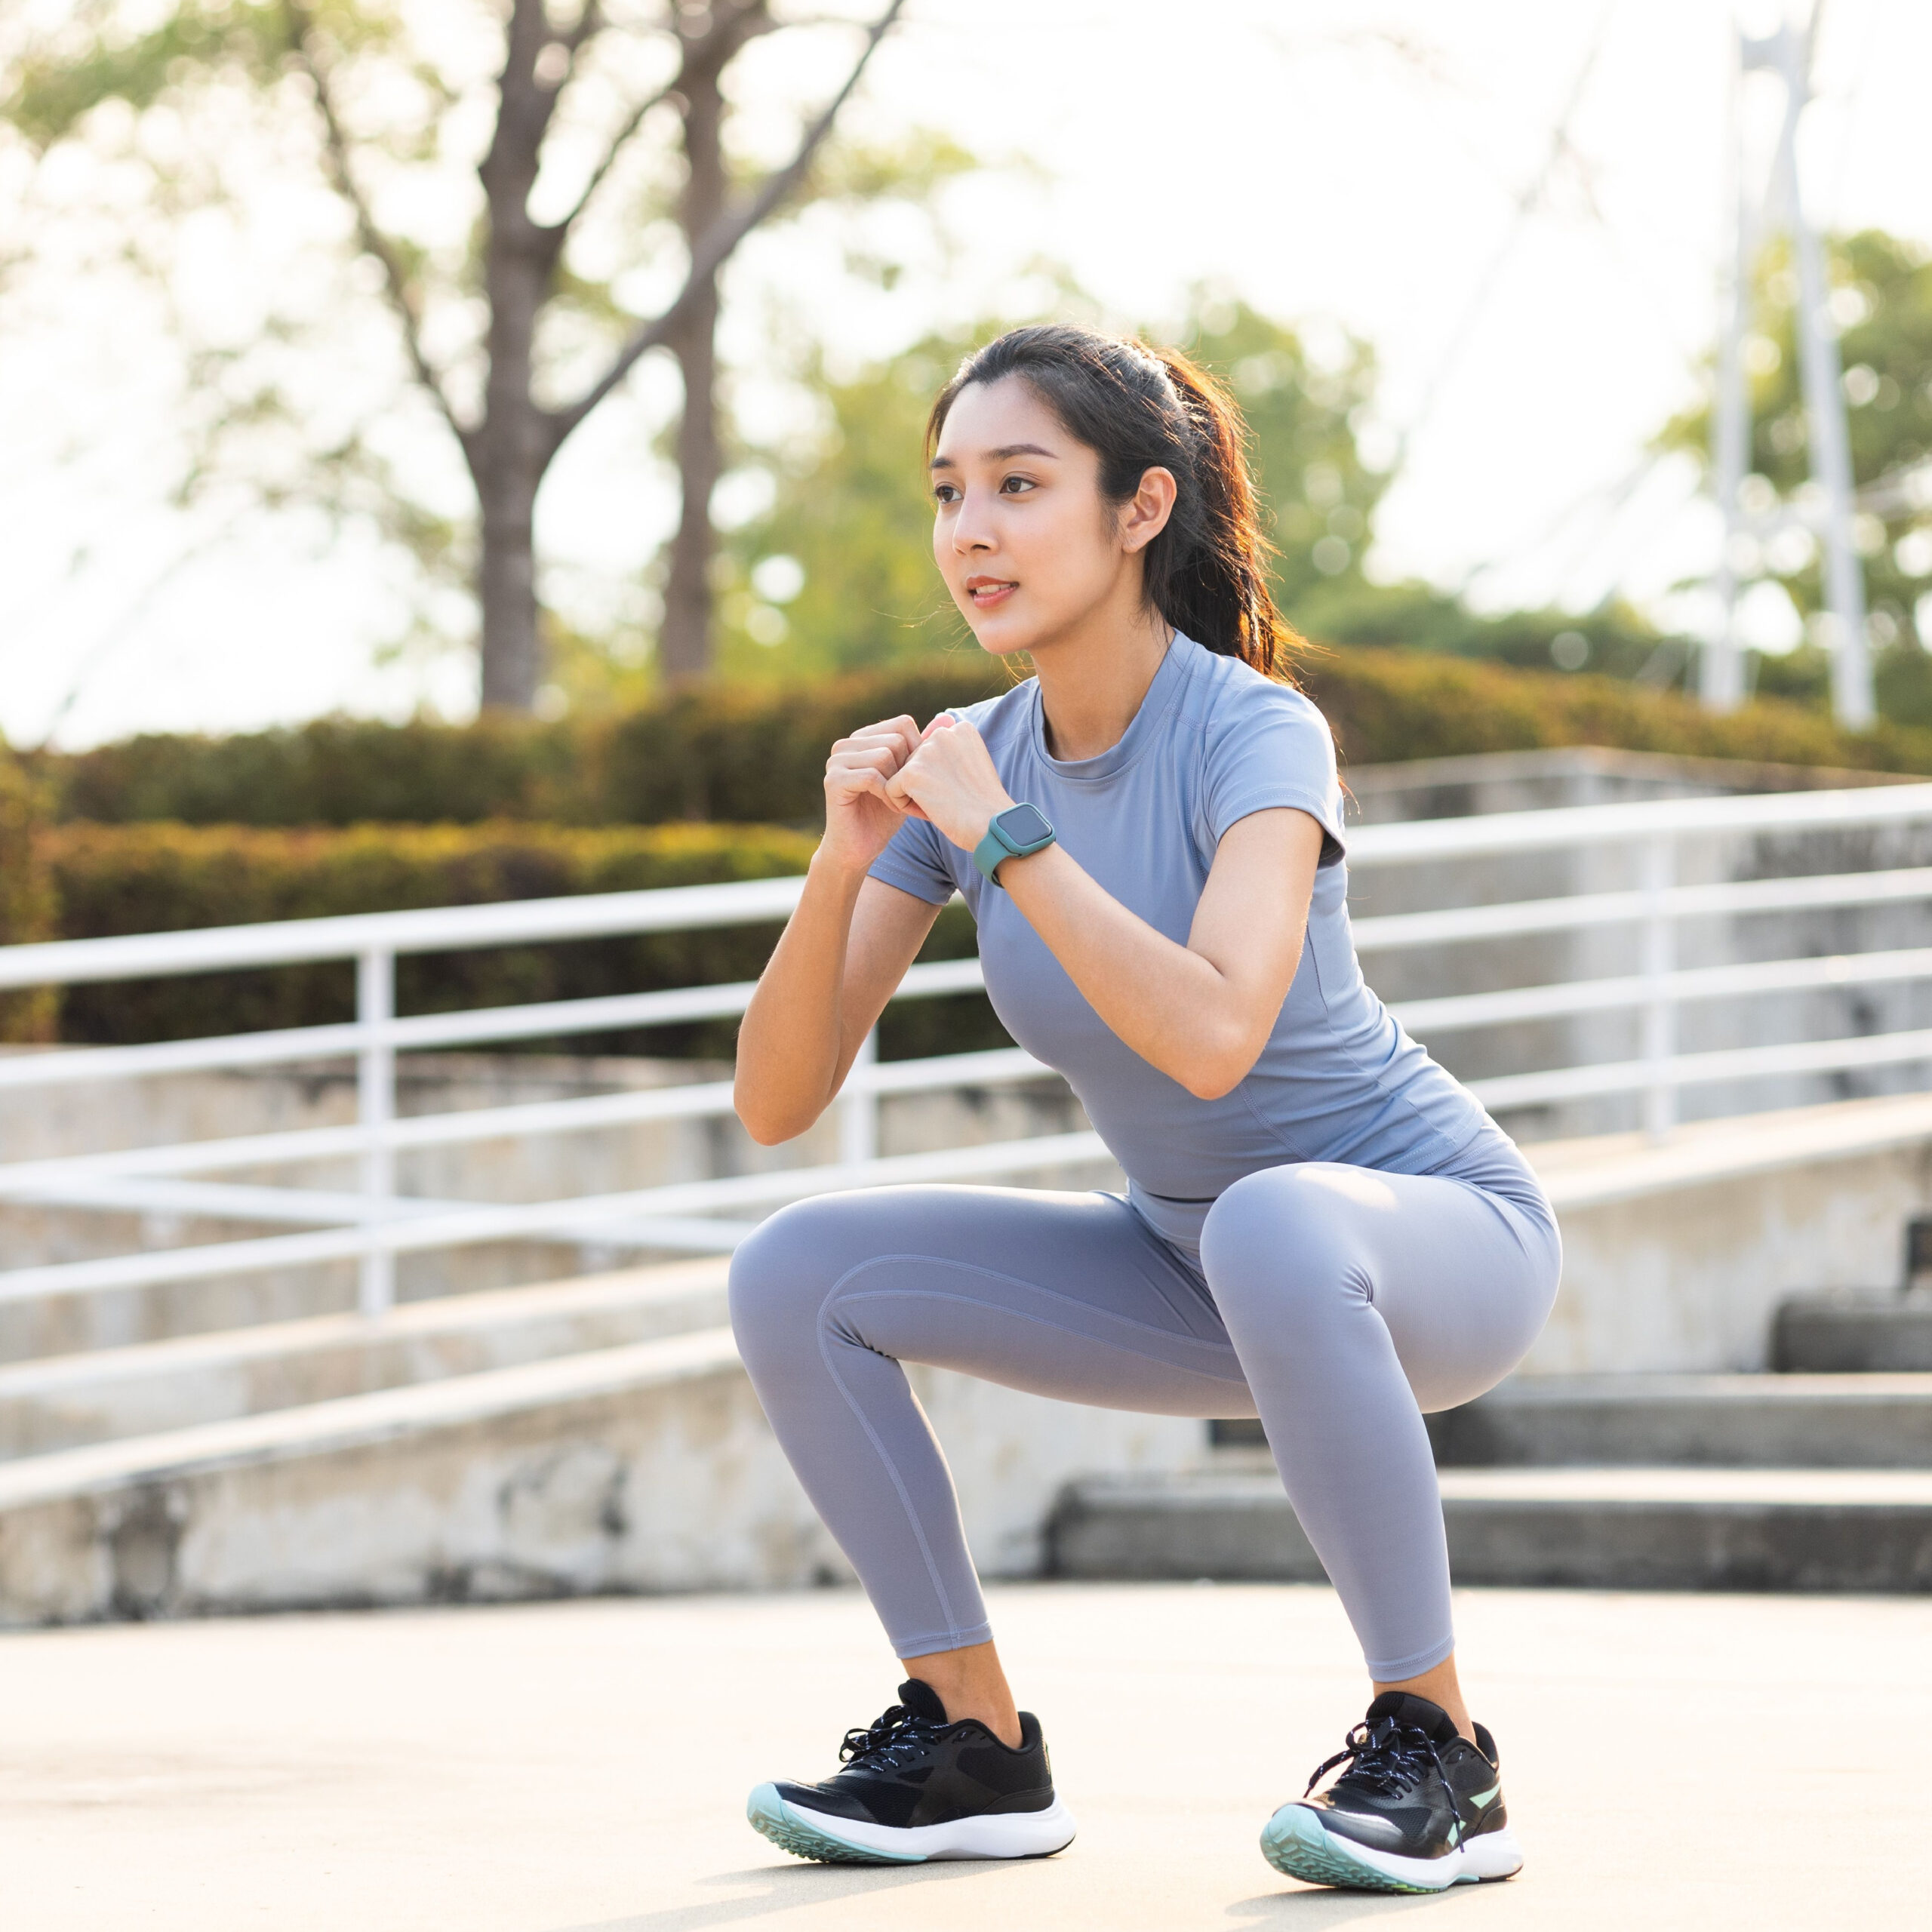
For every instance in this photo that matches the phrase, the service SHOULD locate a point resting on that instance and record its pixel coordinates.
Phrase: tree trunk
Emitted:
(506, 585)
(510, 449)
(685, 644)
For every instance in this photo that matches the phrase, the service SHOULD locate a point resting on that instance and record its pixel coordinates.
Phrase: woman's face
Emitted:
(1027, 545)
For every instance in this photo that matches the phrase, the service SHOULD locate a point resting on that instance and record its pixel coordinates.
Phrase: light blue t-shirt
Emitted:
(1339, 1080)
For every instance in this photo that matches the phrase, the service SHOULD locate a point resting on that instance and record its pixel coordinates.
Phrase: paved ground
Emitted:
(1671, 1761)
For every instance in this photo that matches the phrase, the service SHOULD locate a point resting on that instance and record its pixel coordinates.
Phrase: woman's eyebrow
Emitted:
(1002, 454)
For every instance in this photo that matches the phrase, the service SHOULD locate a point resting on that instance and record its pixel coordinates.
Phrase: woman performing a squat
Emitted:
(1321, 1227)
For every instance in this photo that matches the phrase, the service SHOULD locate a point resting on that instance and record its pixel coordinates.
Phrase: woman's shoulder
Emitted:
(1263, 743)
(1235, 699)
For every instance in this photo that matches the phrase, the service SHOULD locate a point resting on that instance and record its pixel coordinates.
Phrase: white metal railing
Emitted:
(373, 1223)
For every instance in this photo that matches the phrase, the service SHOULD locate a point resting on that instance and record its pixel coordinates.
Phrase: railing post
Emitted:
(375, 1108)
(858, 1108)
(1660, 1048)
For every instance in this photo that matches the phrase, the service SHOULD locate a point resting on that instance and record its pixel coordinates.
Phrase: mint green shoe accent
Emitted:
(1294, 1842)
(1488, 1797)
(769, 1813)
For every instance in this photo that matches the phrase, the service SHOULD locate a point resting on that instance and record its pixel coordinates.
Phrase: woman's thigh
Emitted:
(1062, 1294)
(1462, 1278)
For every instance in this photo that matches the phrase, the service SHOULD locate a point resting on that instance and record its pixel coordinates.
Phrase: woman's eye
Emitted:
(945, 493)
(1012, 486)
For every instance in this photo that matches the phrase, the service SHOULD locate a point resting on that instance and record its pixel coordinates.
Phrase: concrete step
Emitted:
(1676, 1256)
(1854, 1333)
(109, 1395)
(1738, 1421)
(1619, 1528)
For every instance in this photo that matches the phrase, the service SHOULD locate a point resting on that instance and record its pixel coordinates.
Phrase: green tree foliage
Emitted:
(1881, 300)
(837, 575)
(1319, 495)
(1305, 416)
(1612, 641)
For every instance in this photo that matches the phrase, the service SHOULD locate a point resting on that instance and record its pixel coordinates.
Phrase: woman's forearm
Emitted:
(792, 1046)
(1199, 1012)
(1171, 1004)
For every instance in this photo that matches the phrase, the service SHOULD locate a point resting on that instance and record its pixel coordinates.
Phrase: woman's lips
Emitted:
(986, 592)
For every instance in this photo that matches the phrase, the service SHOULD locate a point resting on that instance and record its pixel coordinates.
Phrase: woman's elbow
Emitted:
(767, 1125)
(1215, 1071)
(1205, 1083)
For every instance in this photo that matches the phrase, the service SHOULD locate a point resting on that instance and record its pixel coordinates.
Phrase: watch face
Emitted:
(1025, 824)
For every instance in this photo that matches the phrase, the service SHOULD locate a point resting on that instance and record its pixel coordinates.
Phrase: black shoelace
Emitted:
(1384, 1760)
(889, 1740)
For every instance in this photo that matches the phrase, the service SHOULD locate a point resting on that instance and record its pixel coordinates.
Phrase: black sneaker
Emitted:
(916, 1787)
(1418, 1809)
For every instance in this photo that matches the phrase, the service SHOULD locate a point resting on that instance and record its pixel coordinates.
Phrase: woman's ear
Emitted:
(1145, 514)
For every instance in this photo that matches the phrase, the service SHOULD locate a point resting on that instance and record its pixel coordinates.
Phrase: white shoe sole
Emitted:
(1295, 1841)
(832, 1840)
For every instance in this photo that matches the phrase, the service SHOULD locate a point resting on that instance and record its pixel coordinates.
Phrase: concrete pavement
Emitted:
(1670, 1761)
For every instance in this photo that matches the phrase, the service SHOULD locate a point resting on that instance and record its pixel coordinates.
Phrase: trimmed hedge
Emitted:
(1389, 706)
(755, 755)
(27, 899)
(333, 771)
(738, 755)
(751, 756)
(163, 878)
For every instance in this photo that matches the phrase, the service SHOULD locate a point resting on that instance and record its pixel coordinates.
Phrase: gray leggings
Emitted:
(1337, 1303)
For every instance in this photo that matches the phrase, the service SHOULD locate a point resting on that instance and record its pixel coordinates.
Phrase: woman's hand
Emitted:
(861, 815)
(949, 779)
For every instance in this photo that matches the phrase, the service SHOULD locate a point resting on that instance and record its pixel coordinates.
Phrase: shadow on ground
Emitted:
(788, 1888)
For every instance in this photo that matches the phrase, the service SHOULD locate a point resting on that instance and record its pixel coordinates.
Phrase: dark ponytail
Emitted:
(1140, 409)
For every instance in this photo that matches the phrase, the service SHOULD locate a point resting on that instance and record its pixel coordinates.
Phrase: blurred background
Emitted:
(463, 468)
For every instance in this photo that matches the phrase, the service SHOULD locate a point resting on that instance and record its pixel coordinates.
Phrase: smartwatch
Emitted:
(1012, 834)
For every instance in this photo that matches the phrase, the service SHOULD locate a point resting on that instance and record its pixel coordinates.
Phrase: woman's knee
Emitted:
(1280, 1239)
(778, 1281)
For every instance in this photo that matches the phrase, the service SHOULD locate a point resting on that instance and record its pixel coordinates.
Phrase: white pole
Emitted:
(1720, 673)
(858, 1107)
(375, 1098)
(1659, 1047)
(1852, 702)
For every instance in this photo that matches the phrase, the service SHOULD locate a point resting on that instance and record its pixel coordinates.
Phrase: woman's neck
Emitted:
(1093, 683)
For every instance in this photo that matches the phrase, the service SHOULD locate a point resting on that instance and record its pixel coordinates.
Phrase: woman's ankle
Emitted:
(1440, 1686)
(971, 1684)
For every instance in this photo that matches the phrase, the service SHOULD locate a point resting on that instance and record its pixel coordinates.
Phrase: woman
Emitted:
(1320, 1228)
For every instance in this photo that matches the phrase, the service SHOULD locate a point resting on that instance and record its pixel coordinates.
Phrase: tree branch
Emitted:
(729, 29)
(589, 22)
(396, 277)
(559, 229)
(715, 249)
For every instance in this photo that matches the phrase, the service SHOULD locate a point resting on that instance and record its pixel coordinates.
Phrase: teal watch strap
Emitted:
(1014, 833)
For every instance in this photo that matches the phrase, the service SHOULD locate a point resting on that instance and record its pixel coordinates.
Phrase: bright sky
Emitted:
(1357, 164)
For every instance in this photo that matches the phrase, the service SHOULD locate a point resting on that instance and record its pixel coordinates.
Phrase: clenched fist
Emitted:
(949, 779)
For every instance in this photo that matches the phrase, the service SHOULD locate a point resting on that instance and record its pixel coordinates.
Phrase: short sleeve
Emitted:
(1269, 746)
(915, 861)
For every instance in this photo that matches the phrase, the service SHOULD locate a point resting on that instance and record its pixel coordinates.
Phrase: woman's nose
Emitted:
(971, 530)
